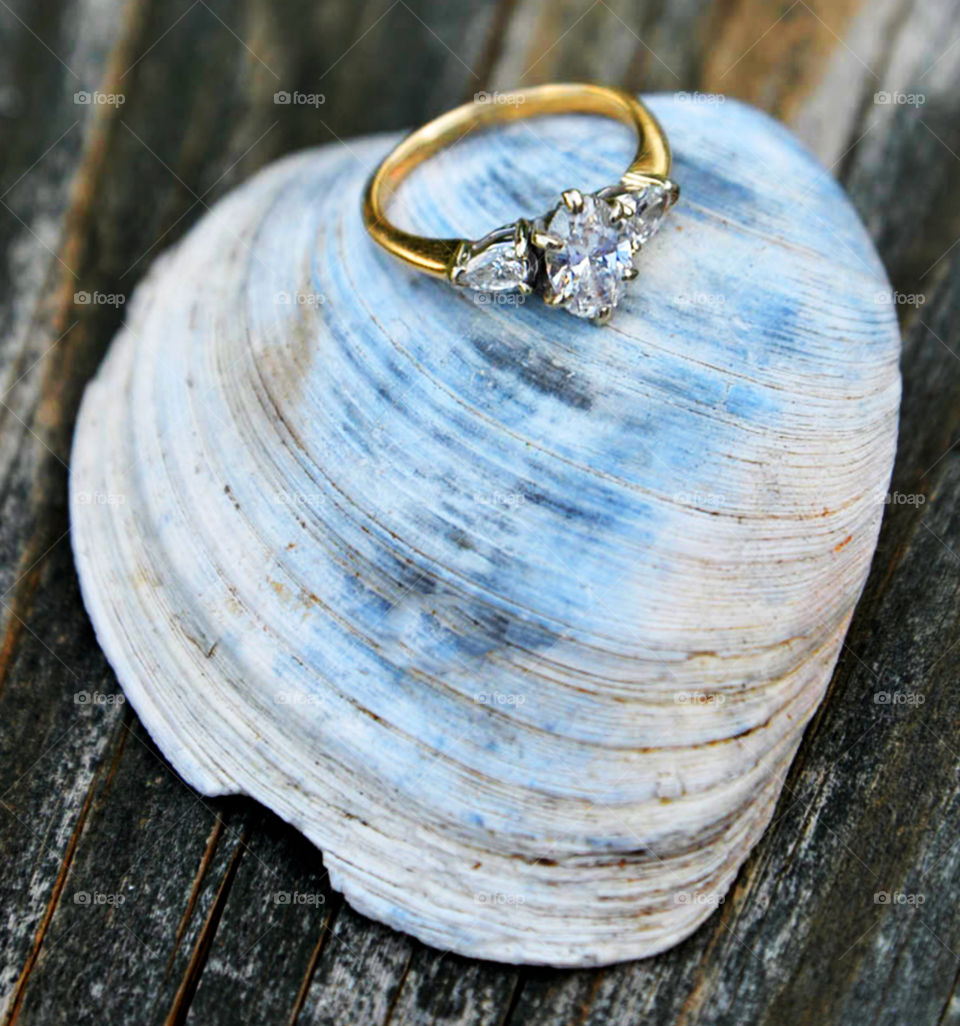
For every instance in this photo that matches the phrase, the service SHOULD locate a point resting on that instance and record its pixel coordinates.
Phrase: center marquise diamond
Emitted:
(589, 258)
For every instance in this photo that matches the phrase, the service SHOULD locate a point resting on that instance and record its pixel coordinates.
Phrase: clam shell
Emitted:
(518, 619)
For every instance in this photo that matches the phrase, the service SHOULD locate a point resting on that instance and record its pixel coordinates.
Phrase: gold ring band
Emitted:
(451, 257)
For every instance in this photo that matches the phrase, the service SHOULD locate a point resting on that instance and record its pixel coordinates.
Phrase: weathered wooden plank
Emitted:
(51, 750)
(274, 919)
(139, 887)
(453, 991)
(359, 974)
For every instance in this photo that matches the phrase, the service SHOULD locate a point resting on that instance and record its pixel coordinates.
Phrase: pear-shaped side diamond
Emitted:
(497, 267)
(650, 206)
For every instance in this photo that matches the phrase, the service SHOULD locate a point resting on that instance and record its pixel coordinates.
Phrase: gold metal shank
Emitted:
(437, 256)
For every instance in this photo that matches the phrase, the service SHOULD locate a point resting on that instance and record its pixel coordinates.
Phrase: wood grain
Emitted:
(88, 805)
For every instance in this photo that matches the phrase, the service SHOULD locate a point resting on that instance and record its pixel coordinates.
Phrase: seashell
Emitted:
(518, 619)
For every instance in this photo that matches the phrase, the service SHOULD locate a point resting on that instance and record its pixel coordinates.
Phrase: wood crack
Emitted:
(212, 842)
(322, 941)
(514, 1002)
(201, 951)
(59, 883)
(396, 996)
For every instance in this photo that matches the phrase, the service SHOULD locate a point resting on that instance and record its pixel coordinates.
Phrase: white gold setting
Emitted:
(578, 256)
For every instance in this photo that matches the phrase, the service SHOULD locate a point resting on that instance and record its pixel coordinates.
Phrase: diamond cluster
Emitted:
(578, 256)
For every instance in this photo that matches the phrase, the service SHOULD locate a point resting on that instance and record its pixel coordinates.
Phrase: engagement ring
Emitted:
(577, 256)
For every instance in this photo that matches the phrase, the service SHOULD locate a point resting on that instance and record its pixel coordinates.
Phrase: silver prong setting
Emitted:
(604, 316)
(459, 264)
(573, 200)
(544, 240)
(521, 238)
(618, 210)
